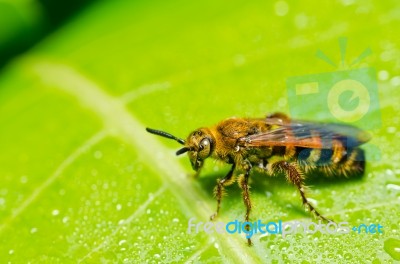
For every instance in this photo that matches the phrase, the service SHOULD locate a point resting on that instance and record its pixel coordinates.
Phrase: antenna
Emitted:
(166, 135)
(182, 150)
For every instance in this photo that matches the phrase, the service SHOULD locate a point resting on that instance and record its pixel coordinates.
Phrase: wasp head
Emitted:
(199, 145)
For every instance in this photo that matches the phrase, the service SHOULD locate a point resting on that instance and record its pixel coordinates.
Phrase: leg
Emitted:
(244, 185)
(219, 189)
(295, 176)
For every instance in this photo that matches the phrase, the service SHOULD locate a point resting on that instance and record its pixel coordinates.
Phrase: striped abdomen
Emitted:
(337, 161)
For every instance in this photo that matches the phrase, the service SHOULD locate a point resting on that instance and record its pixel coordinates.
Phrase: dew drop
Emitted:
(281, 8)
(301, 21)
(313, 201)
(239, 60)
(395, 81)
(392, 247)
(282, 102)
(383, 75)
(348, 256)
(98, 154)
(392, 186)
(55, 212)
(347, 2)
(24, 179)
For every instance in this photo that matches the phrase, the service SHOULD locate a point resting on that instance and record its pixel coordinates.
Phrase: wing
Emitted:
(307, 134)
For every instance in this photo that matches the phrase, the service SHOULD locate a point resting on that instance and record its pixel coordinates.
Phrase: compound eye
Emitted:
(204, 148)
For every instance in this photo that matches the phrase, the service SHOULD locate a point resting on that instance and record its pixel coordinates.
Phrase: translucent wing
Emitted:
(307, 134)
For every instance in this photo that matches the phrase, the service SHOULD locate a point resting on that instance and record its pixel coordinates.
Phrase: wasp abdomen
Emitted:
(338, 162)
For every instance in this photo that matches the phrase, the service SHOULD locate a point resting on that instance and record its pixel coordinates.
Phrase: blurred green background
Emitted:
(81, 181)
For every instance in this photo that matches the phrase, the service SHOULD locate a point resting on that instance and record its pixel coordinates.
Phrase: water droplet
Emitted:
(33, 230)
(347, 2)
(11, 251)
(383, 75)
(119, 207)
(313, 201)
(24, 179)
(386, 55)
(123, 241)
(282, 102)
(148, 211)
(239, 60)
(55, 212)
(395, 81)
(94, 172)
(98, 154)
(392, 247)
(175, 220)
(301, 21)
(157, 255)
(391, 186)
(281, 8)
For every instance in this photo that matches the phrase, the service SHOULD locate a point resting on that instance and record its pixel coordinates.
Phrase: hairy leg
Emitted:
(295, 176)
(219, 189)
(244, 185)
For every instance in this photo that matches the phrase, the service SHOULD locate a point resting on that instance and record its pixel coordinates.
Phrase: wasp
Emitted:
(274, 145)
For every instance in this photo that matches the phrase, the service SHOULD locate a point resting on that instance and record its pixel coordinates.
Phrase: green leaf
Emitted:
(82, 181)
